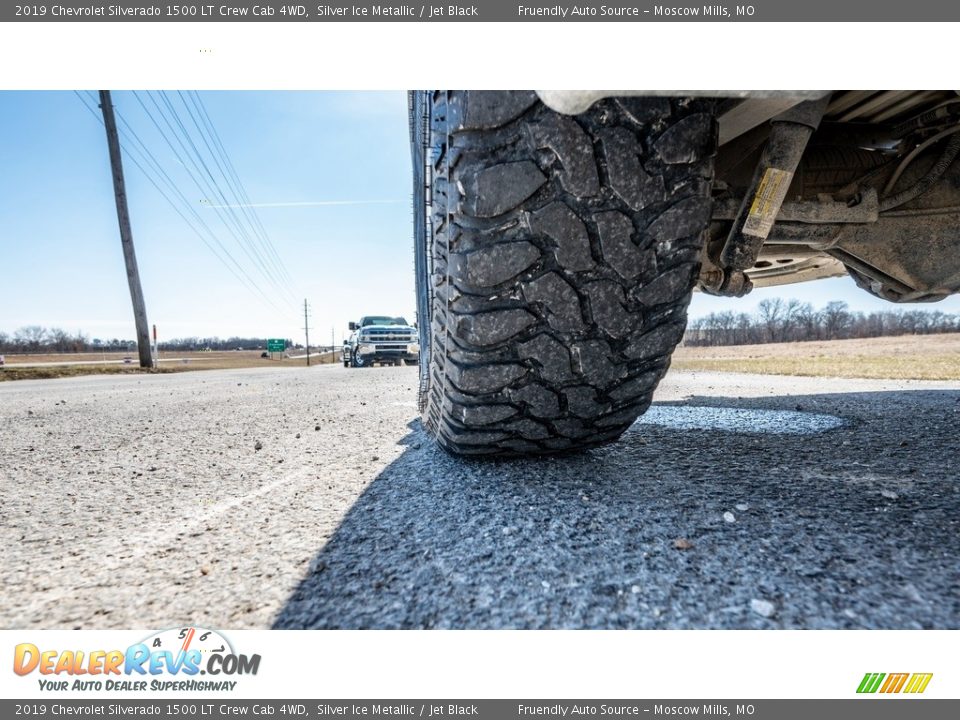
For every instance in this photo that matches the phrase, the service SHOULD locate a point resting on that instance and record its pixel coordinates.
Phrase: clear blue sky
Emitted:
(62, 262)
(61, 259)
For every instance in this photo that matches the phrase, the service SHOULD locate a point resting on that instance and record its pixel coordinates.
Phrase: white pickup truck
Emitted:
(380, 339)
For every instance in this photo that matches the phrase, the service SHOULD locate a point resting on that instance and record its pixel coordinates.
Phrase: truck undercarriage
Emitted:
(874, 193)
(558, 236)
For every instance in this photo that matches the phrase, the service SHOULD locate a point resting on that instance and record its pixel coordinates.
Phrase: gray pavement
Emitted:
(740, 502)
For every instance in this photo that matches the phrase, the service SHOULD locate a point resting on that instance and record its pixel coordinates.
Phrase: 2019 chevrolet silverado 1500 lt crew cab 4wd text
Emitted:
(379, 339)
(559, 235)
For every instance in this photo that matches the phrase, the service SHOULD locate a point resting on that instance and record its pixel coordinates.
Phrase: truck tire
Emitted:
(556, 257)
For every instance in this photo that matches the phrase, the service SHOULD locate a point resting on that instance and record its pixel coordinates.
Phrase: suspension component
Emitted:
(789, 134)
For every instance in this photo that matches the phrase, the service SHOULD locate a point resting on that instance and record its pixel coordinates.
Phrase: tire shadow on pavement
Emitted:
(856, 526)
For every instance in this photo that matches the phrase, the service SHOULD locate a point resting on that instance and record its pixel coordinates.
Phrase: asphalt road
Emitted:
(742, 502)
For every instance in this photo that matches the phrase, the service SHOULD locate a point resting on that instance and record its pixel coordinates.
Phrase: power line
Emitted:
(243, 190)
(155, 165)
(180, 159)
(216, 160)
(151, 160)
(233, 180)
(214, 189)
(253, 287)
(208, 190)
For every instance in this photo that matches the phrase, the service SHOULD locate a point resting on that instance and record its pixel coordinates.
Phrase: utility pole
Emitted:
(306, 330)
(333, 349)
(126, 234)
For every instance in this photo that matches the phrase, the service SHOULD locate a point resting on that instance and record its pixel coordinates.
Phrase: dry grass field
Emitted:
(51, 365)
(909, 357)
(913, 357)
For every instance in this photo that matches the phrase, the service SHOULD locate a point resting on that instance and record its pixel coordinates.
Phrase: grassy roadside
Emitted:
(44, 373)
(914, 357)
(195, 361)
(918, 367)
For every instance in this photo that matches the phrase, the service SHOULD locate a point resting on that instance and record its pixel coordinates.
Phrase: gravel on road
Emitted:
(310, 497)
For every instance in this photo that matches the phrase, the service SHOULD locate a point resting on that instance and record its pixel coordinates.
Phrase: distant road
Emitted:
(135, 361)
(294, 498)
(61, 363)
(313, 353)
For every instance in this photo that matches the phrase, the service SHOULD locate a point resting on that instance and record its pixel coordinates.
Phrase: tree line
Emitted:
(778, 320)
(38, 339)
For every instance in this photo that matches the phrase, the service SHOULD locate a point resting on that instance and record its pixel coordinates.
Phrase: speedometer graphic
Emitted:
(183, 639)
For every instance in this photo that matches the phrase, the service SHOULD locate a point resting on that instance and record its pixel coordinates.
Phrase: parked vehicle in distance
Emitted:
(381, 339)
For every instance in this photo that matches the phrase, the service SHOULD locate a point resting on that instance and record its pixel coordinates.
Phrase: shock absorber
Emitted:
(789, 134)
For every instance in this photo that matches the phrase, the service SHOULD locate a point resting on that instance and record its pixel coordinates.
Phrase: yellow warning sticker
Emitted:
(766, 203)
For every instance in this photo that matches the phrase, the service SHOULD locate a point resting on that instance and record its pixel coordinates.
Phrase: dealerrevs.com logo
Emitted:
(888, 683)
(167, 660)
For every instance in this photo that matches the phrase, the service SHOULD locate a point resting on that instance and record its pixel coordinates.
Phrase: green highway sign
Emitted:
(274, 345)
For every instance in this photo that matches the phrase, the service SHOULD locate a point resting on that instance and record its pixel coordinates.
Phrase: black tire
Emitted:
(561, 255)
(356, 359)
(346, 363)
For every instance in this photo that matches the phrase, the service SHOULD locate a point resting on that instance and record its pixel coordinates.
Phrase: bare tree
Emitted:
(808, 321)
(58, 339)
(789, 319)
(30, 337)
(79, 342)
(771, 314)
(779, 320)
(836, 318)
